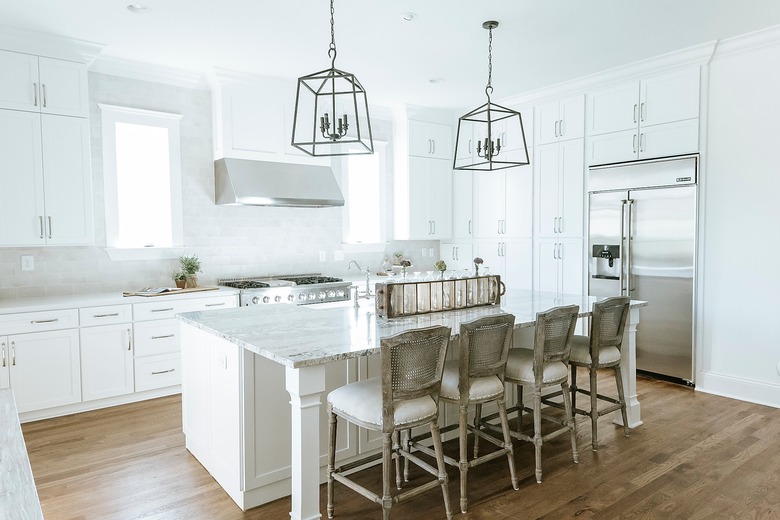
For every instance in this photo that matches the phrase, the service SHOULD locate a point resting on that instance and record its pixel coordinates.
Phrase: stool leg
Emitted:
(397, 451)
(519, 408)
(331, 458)
(570, 419)
(510, 454)
(387, 460)
(439, 450)
(407, 446)
(477, 417)
(464, 464)
(573, 388)
(537, 395)
(621, 398)
(594, 408)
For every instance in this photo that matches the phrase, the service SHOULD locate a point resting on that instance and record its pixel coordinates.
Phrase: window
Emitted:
(364, 191)
(142, 178)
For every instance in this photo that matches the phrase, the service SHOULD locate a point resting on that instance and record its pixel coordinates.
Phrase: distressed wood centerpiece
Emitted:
(422, 297)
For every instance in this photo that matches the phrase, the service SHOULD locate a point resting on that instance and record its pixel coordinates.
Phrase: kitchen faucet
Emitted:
(367, 271)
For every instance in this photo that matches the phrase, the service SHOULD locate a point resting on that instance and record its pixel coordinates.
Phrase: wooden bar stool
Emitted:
(602, 349)
(546, 365)
(477, 377)
(407, 395)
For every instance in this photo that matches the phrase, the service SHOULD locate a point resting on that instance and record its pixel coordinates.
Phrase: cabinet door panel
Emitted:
(547, 187)
(18, 82)
(491, 252)
(5, 352)
(106, 361)
(462, 204)
(45, 369)
(440, 198)
(420, 226)
(21, 179)
(547, 123)
(669, 139)
(518, 261)
(419, 141)
(572, 116)
(251, 126)
(614, 147)
(441, 137)
(571, 274)
(613, 109)
(669, 98)
(489, 189)
(68, 180)
(572, 185)
(519, 202)
(63, 87)
(547, 265)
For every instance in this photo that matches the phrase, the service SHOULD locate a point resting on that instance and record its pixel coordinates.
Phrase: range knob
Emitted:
(312, 295)
(256, 300)
(322, 295)
(331, 294)
(302, 297)
(290, 297)
(340, 293)
(277, 299)
(266, 299)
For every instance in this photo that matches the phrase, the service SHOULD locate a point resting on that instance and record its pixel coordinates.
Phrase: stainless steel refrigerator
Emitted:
(642, 240)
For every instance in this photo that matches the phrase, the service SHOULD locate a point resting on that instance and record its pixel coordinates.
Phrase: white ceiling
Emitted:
(538, 43)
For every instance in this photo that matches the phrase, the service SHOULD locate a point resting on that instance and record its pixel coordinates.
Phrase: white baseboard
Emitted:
(738, 388)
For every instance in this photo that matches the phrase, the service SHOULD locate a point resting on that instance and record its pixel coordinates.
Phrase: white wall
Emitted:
(230, 240)
(739, 323)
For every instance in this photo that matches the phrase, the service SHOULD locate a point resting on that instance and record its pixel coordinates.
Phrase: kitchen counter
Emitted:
(49, 303)
(307, 341)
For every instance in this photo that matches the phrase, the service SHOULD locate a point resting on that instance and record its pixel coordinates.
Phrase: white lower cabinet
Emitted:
(510, 259)
(457, 255)
(559, 266)
(237, 416)
(43, 368)
(106, 361)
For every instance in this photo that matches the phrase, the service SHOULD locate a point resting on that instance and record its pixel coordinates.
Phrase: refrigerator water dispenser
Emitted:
(606, 262)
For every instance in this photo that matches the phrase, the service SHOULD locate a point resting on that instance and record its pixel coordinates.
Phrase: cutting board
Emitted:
(169, 293)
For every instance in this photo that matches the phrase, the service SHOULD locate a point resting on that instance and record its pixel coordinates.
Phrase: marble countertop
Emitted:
(298, 336)
(95, 299)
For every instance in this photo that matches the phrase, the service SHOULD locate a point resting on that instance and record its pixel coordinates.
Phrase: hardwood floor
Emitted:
(697, 456)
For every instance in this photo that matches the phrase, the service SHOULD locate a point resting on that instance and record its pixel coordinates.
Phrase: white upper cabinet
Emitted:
(559, 189)
(504, 203)
(560, 120)
(46, 187)
(654, 117)
(430, 200)
(462, 204)
(253, 118)
(43, 85)
(558, 266)
(431, 140)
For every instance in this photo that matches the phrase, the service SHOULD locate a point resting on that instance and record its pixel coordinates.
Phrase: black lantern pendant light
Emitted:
(490, 137)
(331, 111)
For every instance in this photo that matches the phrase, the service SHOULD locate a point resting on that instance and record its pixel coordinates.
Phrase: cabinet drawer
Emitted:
(105, 315)
(39, 321)
(169, 309)
(157, 372)
(156, 337)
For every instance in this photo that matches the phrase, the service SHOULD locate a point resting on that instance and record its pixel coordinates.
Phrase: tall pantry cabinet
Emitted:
(45, 181)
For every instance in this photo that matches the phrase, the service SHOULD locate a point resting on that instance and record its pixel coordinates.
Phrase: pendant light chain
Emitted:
(332, 48)
(489, 88)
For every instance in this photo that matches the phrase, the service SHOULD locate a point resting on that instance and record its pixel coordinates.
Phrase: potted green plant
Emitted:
(190, 265)
(180, 279)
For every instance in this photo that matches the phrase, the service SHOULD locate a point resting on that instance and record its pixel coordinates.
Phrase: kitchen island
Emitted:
(237, 364)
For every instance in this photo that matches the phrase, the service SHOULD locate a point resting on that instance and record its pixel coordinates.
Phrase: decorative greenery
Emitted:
(189, 264)
(477, 262)
(440, 266)
(178, 275)
(404, 265)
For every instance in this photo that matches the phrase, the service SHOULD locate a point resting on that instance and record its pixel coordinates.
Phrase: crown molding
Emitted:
(697, 55)
(149, 72)
(747, 42)
(49, 45)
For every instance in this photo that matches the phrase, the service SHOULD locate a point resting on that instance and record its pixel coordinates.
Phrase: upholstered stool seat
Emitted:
(404, 396)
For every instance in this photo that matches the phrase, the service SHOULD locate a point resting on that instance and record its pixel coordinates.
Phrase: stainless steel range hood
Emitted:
(264, 183)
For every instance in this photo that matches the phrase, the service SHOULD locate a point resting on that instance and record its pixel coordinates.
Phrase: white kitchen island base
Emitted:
(254, 383)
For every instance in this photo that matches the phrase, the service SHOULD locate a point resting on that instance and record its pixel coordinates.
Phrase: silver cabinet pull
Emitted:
(634, 142)
(635, 115)
(164, 372)
(163, 337)
(562, 128)
(2, 346)
(642, 142)
(434, 146)
(105, 315)
(43, 88)
(40, 222)
(49, 218)
(215, 304)
(37, 322)
(162, 310)
(469, 227)
(13, 353)
(457, 252)
(556, 129)
(498, 227)
(434, 227)
(642, 111)
(560, 224)
(129, 341)
(35, 94)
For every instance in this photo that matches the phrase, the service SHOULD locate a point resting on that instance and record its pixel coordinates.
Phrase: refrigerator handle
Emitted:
(623, 247)
(629, 233)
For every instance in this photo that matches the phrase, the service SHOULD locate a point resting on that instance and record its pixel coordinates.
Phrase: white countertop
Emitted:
(298, 336)
(96, 299)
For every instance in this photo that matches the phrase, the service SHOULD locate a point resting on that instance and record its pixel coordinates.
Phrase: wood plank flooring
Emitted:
(697, 456)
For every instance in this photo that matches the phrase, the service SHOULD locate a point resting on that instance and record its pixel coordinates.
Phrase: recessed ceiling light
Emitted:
(139, 8)
(436, 80)
(408, 16)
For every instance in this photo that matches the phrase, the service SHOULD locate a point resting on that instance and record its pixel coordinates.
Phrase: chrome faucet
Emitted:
(367, 294)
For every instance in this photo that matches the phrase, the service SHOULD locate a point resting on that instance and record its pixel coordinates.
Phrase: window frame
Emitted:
(381, 150)
(110, 115)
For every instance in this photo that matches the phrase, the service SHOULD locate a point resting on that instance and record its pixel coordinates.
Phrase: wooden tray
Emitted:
(169, 293)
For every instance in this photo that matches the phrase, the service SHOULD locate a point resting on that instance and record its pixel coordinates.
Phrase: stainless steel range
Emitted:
(300, 289)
